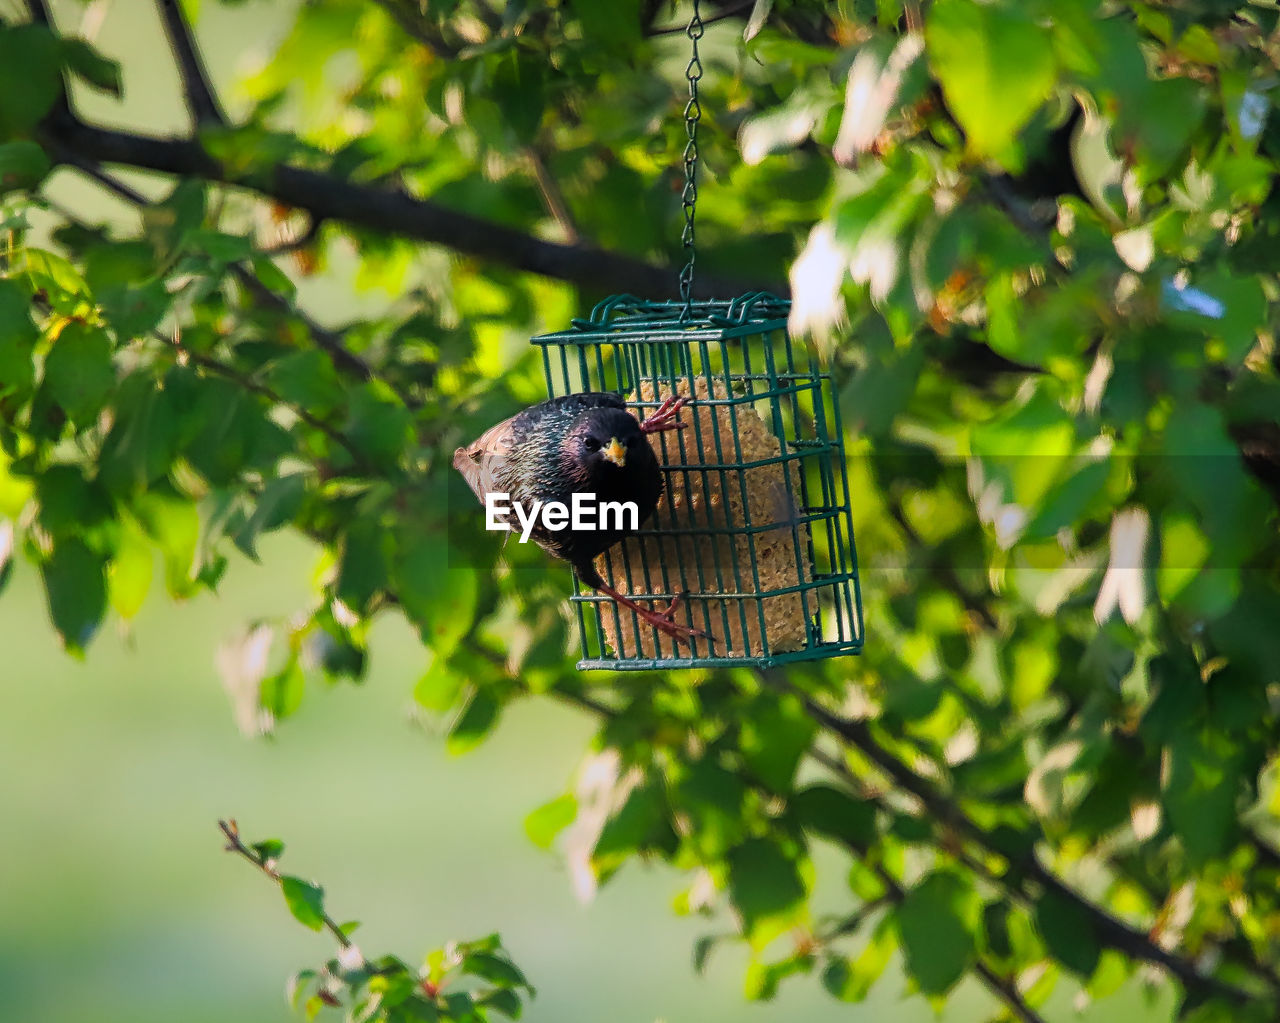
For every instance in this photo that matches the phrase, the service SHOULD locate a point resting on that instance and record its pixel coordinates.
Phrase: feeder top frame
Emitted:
(758, 312)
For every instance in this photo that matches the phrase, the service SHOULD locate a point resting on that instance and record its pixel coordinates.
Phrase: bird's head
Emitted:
(602, 440)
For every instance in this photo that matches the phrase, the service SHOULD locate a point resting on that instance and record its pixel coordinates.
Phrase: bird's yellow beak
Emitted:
(615, 452)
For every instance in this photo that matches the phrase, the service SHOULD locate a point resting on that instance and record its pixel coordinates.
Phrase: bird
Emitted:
(587, 443)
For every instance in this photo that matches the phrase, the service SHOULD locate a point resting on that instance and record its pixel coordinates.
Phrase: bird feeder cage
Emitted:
(754, 530)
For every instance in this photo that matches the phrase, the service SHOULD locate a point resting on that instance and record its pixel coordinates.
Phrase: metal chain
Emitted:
(689, 198)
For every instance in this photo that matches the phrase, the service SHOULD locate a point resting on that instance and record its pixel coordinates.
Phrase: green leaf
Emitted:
(30, 71)
(296, 989)
(307, 379)
(1068, 933)
(551, 818)
(141, 444)
(439, 687)
(23, 165)
(132, 566)
(504, 1001)
(281, 693)
(1244, 312)
(270, 849)
(764, 883)
(338, 650)
(476, 721)
(76, 587)
(273, 277)
(223, 248)
(518, 86)
(494, 969)
(835, 814)
(614, 27)
(277, 505)
(69, 503)
(18, 336)
(174, 524)
(305, 901)
(133, 310)
(1183, 551)
(379, 426)
(763, 978)
(852, 980)
(996, 67)
(438, 598)
(1200, 792)
(938, 920)
(362, 565)
(179, 214)
(775, 734)
(61, 282)
(642, 824)
(85, 61)
(702, 951)
(715, 799)
(79, 373)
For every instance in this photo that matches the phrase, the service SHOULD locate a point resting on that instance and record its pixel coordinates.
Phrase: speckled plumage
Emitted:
(541, 454)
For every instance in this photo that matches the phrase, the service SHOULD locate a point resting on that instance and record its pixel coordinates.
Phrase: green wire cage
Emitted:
(754, 529)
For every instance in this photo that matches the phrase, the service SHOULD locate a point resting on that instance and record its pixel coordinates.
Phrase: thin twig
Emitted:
(552, 196)
(915, 23)
(202, 101)
(728, 12)
(249, 384)
(854, 920)
(231, 831)
(301, 241)
(95, 172)
(1007, 992)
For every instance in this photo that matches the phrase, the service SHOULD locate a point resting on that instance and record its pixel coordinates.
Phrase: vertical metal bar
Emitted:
(745, 345)
(849, 568)
(779, 429)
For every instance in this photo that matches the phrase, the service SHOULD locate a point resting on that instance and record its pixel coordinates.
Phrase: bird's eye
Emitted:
(591, 444)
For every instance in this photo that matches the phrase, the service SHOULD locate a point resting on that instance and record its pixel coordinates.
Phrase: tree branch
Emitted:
(394, 212)
(197, 90)
(1109, 930)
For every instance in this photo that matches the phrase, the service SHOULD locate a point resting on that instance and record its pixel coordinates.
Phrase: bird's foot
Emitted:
(664, 416)
(664, 621)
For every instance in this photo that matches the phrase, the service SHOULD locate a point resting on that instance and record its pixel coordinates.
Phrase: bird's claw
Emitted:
(664, 621)
(664, 416)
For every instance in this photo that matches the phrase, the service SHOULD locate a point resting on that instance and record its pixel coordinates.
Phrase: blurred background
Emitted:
(115, 770)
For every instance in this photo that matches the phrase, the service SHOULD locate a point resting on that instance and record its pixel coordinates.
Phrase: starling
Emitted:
(578, 444)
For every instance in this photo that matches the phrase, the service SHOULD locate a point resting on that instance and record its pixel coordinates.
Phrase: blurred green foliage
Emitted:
(1036, 242)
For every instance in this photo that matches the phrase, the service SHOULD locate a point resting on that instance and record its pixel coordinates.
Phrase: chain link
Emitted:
(689, 198)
